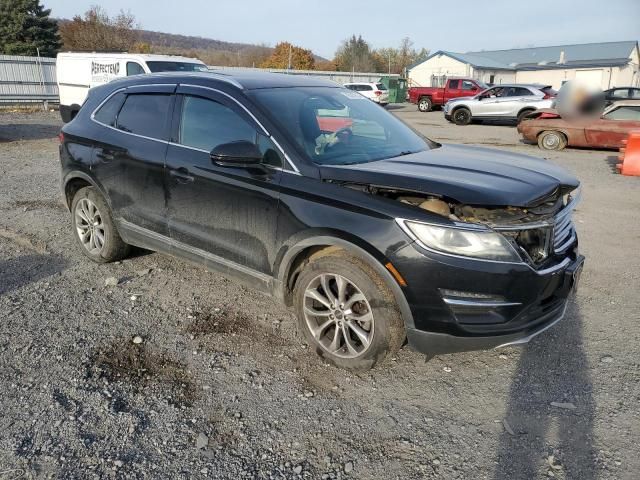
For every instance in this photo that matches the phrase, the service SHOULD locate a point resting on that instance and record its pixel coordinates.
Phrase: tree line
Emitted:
(26, 28)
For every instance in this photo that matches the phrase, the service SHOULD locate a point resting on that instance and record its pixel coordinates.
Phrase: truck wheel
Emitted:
(346, 312)
(461, 116)
(552, 140)
(523, 114)
(94, 229)
(425, 104)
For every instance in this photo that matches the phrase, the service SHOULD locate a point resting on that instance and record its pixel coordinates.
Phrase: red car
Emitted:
(429, 97)
(552, 132)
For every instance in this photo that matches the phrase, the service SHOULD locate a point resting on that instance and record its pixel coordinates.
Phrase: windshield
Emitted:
(336, 126)
(176, 67)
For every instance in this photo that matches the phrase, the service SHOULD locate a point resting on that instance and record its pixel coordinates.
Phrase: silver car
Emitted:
(502, 102)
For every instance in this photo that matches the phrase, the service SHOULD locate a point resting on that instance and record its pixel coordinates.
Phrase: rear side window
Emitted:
(352, 87)
(381, 86)
(134, 68)
(109, 110)
(522, 92)
(454, 84)
(365, 88)
(145, 114)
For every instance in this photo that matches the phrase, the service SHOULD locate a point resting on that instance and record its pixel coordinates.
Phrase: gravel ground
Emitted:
(220, 387)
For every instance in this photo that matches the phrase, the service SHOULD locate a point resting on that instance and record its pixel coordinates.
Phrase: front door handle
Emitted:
(181, 175)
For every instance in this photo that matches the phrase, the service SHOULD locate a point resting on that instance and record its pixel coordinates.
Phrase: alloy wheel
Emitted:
(338, 315)
(89, 226)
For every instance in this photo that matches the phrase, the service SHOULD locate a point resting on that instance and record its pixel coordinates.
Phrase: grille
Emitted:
(564, 234)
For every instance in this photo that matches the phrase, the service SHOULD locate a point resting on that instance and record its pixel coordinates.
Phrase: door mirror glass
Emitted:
(237, 154)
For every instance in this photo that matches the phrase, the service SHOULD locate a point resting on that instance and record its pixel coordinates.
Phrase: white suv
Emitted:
(502, 102)
(377, 92)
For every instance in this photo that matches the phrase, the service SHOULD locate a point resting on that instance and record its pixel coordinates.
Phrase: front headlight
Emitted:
(483, 244)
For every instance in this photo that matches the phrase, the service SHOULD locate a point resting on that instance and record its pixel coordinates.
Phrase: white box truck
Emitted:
(78, 72)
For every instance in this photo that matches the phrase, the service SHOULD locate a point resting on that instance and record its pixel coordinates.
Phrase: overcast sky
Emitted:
(321, 25)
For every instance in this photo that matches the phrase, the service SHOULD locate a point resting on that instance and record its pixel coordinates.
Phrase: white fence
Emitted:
(25, 80)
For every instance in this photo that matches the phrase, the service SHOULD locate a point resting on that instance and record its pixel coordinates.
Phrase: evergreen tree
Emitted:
(25, 27)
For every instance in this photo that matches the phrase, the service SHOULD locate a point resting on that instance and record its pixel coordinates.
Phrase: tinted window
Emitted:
(467, 85)
(624, 113)
(334, 126)
(134, 68)
(205, 124)
(107, 112)
(352, 87)
(522, 92)
(365, 88)
(619, 93)
(145, 114)
(635, 93)
(176, 67)
(454, 84)
(381, 86)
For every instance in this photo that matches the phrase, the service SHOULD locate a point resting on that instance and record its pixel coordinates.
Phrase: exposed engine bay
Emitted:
(530, 230)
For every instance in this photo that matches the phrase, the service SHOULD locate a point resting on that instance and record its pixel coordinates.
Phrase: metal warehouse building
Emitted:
(606, 65)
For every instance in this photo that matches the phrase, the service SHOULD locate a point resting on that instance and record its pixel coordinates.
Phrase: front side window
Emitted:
(134, 68)
(206, 124)
(635, 93)
(620, 93)
(145, 114)
(624, 113)
(467, 85)
(335, 126)
(107, 112)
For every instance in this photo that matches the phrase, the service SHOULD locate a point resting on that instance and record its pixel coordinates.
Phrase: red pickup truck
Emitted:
(429, 97)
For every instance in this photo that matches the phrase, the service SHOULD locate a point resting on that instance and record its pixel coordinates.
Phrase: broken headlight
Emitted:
(474, 243)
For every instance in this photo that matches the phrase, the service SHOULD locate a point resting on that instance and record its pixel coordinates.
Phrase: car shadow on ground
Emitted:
(20, 271)
(539, 437)
(27, 131)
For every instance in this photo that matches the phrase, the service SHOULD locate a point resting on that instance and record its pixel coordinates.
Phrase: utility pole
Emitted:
(290, 56)
(389, 62)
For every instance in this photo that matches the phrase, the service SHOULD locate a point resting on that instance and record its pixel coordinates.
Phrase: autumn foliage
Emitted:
(301, 59)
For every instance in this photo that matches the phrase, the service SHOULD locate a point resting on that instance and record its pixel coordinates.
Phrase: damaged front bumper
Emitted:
(462, 305)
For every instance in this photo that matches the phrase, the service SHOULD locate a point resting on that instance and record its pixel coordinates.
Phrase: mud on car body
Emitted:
(306, 190)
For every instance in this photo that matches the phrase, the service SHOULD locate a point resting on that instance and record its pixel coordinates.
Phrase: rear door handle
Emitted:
(181, 175)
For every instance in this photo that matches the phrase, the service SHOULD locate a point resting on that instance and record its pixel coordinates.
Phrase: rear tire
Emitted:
(425, 104)
(523, 114)
(363, 327)
(552, 140)
(461, 116)
(94, 228)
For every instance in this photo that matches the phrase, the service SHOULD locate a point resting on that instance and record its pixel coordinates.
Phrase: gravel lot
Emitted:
(221, 387)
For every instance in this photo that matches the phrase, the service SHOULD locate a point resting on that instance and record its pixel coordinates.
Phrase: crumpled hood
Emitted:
(470, 175)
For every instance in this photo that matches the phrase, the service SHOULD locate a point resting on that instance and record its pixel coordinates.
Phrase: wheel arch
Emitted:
(323, 243)
(76, 180)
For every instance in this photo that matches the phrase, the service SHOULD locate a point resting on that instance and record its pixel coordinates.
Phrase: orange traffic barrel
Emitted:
(630, 155)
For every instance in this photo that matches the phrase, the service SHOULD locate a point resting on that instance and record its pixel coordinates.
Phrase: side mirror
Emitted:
(237, 154)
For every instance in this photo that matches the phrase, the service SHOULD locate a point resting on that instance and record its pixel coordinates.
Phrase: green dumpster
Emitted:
(397, 88)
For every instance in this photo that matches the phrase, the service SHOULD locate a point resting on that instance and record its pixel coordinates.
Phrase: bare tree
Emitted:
(97, 31)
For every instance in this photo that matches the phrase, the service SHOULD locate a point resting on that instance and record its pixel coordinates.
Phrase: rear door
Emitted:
(227, 214)
(129, 158)
(513, 100)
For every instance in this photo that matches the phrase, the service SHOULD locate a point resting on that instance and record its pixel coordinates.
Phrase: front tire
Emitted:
(552, 140)
(461, 116)
(425, 104)
(346, 312)
(94, 228)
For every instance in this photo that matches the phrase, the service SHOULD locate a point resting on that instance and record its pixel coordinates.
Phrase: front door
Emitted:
(222, 212)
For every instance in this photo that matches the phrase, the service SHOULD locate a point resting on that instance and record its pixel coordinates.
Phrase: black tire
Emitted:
(112, 246)
(552, 140)
(386, 330)
(425, 104)
(523, 114)
(461, 116)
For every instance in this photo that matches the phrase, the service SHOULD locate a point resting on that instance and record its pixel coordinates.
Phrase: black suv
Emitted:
(308, 191)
